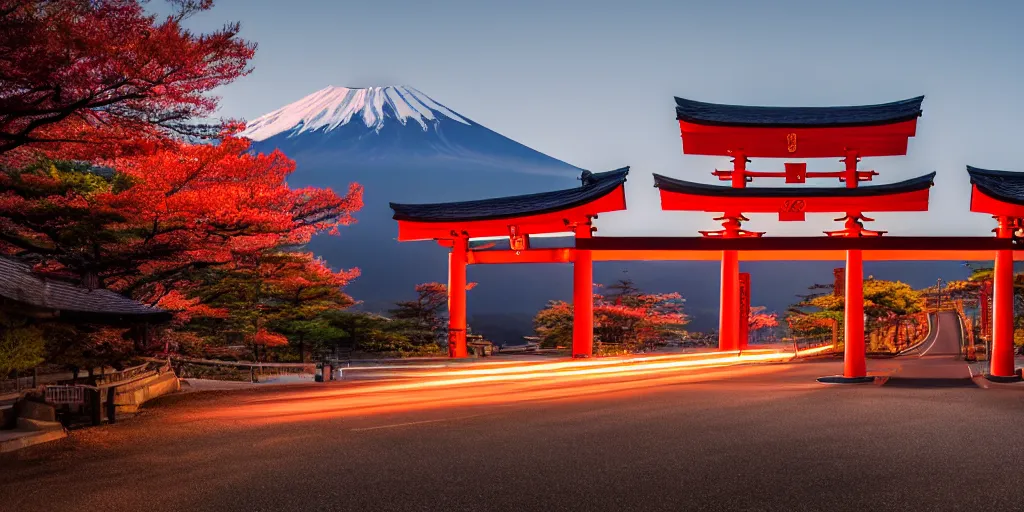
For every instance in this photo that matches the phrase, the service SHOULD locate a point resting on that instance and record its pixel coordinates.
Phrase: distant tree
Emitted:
(621, 290)
(758, 321)
(427, 310)
(627, 318)
(272, 298)
(553, 324)
(424, 319)
(888, 305)
(22, 346)
(639, 321)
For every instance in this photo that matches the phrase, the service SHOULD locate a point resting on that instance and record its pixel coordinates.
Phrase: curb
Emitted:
(31, 437)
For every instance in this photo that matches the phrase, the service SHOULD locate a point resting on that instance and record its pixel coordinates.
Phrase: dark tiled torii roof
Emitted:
(1002, 185)
(593, 186)
(19, 284)
(697, 112)
(688, 187)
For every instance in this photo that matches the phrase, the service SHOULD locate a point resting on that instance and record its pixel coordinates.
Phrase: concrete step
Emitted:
(30, 432)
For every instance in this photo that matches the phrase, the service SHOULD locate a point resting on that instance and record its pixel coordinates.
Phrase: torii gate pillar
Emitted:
(854, 355)
(1001, 365)
(457, 298)
(583, 299)
(728, 317)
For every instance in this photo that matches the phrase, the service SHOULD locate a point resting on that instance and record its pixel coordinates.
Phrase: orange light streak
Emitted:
(356, 403)
(815, 350)
(564, 371)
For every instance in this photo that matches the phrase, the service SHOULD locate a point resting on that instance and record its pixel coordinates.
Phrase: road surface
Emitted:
(764, 437)
(943, 339)
(936, 361)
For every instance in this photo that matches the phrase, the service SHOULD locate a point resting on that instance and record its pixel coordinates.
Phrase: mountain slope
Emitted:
(394, 127)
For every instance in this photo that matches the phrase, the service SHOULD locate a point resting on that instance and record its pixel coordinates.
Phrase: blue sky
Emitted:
(592, 82)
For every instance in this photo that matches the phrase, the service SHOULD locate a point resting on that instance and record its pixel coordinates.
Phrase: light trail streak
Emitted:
(553, 381)
(815, 350)
(610, 366)
(298, 407)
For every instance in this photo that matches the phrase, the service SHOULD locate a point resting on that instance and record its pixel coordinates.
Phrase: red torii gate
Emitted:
(1001, 194)
(796, 132)
(518, 217)
(741, 132)
(910, 195)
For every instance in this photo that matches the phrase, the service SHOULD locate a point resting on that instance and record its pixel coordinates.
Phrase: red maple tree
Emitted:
(82, 78)
(102, 181)
(149, 220)
(759, 319)
(624, 317)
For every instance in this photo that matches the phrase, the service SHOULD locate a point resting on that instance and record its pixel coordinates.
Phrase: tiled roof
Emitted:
(687, 187)
(18, 283)
(593, 186)
(1002, 185)
(697, 112)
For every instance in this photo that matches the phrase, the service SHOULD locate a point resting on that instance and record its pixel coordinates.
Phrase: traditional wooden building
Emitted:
(28, 294)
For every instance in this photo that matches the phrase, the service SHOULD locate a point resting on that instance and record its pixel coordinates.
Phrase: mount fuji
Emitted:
(394, 129)
(404, 146)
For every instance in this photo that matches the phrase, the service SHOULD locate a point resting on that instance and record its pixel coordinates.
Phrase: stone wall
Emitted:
(130, 396)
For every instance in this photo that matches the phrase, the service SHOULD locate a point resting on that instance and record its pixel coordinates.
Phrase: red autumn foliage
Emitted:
(305, 278)
(102, 77)
(760, 320)
(167, 213)
(186, 309)
(266, 338)
(624, 317)
(101, 179)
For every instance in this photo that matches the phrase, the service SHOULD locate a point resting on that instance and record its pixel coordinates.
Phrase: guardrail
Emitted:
(62, 394)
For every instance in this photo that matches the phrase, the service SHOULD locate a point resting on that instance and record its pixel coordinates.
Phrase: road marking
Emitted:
(981, 383)
(938, 327)
(397, 425)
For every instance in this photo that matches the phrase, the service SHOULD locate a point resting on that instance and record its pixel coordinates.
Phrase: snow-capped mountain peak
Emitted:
(332, 107)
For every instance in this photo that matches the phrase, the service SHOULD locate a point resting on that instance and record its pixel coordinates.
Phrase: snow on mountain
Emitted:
(332, 107)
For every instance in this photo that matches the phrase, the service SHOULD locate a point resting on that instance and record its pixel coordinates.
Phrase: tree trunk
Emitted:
(302, 350)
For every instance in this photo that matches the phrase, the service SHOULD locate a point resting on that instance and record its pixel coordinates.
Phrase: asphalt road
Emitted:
(944, 338)
(744, 438)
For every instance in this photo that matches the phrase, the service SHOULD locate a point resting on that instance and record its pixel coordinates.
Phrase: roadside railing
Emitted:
(125, 375)
(66, 394)
(15, 385)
